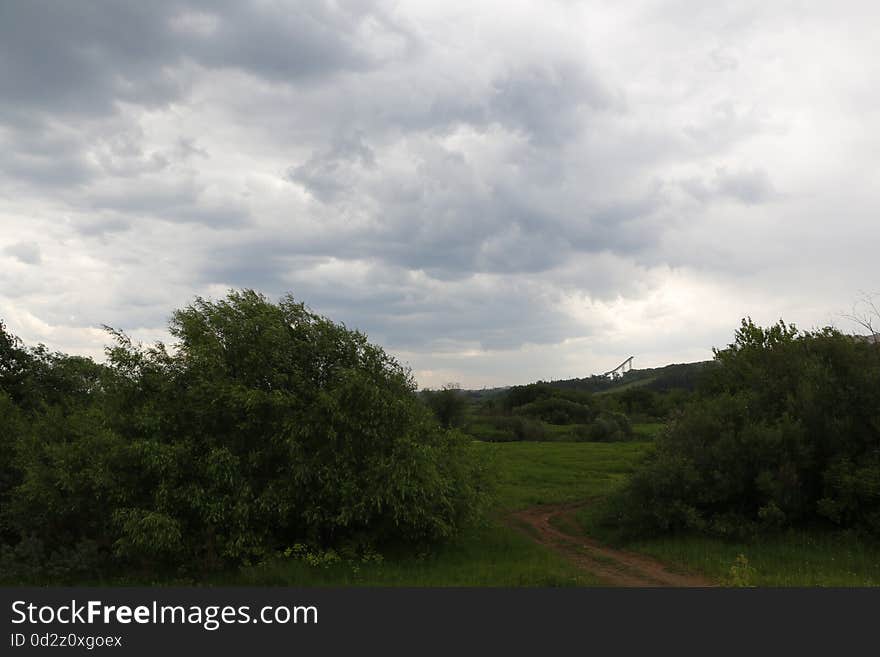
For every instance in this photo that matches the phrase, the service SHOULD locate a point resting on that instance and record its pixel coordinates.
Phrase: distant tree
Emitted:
(866, 313)
(449, 404)
(14, 364)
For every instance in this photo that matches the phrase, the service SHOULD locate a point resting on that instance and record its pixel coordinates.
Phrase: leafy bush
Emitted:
(556, 410)
(527, 429)
(786, 430)
(265, 426)
(448, 405)
(507, 428)
(610, 427)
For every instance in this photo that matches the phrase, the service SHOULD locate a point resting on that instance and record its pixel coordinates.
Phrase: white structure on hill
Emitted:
(621, 369)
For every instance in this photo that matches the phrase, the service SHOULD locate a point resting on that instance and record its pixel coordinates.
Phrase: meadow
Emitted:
(502, 553)
(497, 553)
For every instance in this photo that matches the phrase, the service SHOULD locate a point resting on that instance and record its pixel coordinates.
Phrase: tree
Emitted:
(263, 426)
(784, 430)
(866, 313)
(448, 404)
(14, 362)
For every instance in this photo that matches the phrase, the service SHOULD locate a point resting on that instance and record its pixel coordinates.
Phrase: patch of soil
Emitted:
(613, 567)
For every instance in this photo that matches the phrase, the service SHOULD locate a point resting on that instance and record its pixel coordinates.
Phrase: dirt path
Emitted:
(613, 567)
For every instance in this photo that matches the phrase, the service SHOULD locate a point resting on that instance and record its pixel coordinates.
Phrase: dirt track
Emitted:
(612, 567)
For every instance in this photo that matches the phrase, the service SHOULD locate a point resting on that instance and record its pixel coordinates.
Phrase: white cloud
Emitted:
(497, 192)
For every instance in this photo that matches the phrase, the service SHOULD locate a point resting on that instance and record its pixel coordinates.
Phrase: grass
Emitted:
(552, 473)
(794, 558)
(647, 430)
(498, 554)
(820, 556)
(495, 554)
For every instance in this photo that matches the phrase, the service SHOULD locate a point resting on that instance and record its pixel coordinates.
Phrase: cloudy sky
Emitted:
(496, 192)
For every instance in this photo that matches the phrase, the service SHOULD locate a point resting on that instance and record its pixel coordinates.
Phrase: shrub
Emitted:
(555, 410)
(516, 428)
(528, 429)
(265, 426)
(610, 427)
(786, 430)
(448, 405)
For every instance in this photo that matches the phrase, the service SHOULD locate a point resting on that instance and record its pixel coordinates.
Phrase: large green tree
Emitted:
(263, 425)
(785, 430)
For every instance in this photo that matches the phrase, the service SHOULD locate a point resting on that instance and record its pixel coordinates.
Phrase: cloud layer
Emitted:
(495, 192)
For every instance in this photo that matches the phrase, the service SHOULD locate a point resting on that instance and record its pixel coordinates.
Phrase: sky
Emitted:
(495, 192)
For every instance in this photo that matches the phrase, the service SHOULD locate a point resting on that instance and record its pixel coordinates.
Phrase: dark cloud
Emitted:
(447, 178)
(81, 58)
(546, 102)
(749, 186)
(328, 173)
(25, 252)
(178, 201)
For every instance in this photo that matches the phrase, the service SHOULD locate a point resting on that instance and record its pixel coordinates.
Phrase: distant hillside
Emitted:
(659, 379)
(676, 375)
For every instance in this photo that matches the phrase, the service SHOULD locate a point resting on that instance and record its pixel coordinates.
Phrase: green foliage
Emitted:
(526, 429)
(266, 425)
(557, 410)
(448, 404)
(785, 431)
(741, 572)
(509, 428)
(609, 428)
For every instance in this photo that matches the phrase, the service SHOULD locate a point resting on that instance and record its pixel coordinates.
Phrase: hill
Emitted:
(659, 379)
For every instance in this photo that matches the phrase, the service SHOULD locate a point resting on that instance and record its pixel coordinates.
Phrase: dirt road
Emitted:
(613, 567)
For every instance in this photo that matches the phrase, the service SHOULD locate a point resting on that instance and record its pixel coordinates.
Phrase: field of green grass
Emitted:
(552, 473)
(498, 554)
(803, 557)
(495, 554)
(647, 430)
(794, 558)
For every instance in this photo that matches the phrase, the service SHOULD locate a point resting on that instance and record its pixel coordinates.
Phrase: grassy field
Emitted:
(804, 557)
(795, 558)
(647, 430)
(497, 554)
(551, 473)
(494, 555)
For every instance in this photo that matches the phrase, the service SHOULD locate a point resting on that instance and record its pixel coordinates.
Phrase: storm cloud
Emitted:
(495, 192)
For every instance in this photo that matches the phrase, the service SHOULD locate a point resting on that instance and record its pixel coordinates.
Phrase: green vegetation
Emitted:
(784, 432)
(542, 412)
(648, 430)
(553, 473)
(808, 556)
(448, 404)
(798, 557)
(682, 377)
(271, 446)
(634, 406)
(495, 554)
(266, 426)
